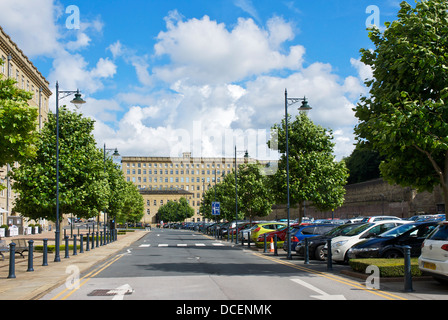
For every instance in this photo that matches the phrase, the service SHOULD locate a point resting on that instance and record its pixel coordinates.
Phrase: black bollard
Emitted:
(407, 269)
(248, 240)
(87, 244)
(12, 261)
(265, 244)
(81, 243)
(329, 256)
(75, 249)
(45, 255)
(30, 256)
(101, 238)
(66, 247)
(307, 253)
(97, 238)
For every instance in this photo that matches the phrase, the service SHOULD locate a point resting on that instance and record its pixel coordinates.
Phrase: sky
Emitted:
(163, 77)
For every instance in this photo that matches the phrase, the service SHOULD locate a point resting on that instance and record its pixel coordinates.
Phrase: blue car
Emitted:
(298, 233)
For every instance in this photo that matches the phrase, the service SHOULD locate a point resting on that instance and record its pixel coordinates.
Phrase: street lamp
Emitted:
(246, 157)
(304, 107)
(115, 154)
(76, 101)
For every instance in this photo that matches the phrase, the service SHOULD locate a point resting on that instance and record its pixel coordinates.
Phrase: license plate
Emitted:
(428, 265)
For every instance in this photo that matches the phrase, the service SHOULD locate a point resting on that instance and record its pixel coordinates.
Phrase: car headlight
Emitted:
(339, 243)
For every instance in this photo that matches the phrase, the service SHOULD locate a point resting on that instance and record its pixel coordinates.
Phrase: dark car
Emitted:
(389, 244)
(300, 232)
(317, 243)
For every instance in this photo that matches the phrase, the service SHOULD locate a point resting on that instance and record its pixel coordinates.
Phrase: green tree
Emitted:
(314, 174)
(176, 211)
(117, 184)
(363, 164)
(18, 123)
(83, 186)
(254, 197)
(405, 116)
(133, 207)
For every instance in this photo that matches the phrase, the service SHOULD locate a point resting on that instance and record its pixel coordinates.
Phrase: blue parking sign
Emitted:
(216, 208)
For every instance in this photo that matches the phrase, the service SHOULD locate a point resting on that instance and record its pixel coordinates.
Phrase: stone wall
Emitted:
(374, 197)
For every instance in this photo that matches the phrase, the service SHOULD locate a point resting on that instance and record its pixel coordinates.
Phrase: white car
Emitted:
(433, 259)
(340, 245)
(379, 218)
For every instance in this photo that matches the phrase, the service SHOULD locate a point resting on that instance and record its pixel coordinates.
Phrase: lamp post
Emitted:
(304, 107)
(77, 101)
(246, 156)
(115, 154)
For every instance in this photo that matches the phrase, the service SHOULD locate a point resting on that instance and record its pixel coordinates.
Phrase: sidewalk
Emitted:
(33, 284)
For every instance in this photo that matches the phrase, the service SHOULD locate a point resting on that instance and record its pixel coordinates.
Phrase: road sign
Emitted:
(216, 208)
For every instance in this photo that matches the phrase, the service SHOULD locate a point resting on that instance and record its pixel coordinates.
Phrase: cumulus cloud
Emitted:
(205, 51)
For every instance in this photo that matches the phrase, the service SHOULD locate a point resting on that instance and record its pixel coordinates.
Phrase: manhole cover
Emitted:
(108, 292)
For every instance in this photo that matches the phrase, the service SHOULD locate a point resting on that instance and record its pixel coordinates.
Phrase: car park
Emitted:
(298, 233)
(341, 244)
(434, 253)
(390, 243)
(317, 243)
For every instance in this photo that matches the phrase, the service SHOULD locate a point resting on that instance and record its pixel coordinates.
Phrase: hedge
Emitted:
(387, 267)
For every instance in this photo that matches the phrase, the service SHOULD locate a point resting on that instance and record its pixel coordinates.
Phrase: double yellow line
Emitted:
(69, 291)
(330, 276)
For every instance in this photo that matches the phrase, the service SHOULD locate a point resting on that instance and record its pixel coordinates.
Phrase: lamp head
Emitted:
(77, 100)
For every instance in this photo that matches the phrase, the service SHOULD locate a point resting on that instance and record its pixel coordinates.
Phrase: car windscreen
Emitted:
(359, 229)
(440, 233)
(397, 231)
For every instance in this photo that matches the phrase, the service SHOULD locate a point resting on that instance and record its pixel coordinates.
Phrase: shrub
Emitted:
(388, 267)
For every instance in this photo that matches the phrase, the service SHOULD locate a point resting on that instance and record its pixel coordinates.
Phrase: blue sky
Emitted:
(166, 77)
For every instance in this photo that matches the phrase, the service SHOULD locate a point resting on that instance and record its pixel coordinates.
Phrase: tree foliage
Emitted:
(254, 197)
(175, 211)
(363, 164)
(18, 123)
(83, 185)
(314, 173)
(405, 115)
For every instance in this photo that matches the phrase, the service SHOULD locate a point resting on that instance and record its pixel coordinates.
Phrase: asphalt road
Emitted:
(181, 265)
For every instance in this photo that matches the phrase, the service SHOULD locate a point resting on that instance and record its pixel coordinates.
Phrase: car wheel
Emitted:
(392, 254)
(319, 253)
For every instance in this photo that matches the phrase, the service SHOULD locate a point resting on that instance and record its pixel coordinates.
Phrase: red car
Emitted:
(281, 235)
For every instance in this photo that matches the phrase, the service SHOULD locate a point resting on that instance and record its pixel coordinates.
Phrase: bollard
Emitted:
(81, 243)
(265, 245)
(307, 253)
(30, 256)
(92, 246)
(407, 269)
(275, 245)
(88, 244)
(66, 247)
(329, 256)
(242, 240)
(12, 261)
(101, 238)
(45, 255)
(97, 239)
(75, 249)
(248, 239)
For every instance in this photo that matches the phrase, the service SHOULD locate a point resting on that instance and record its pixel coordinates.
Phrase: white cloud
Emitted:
(204, 51)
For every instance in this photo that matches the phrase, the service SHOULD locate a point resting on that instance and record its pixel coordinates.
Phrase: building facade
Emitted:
(161, 179)
(16, 65)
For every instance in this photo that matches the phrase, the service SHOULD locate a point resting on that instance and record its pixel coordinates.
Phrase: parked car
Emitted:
(379, 218)
(299, 233)
(341, 244)
(317, 243)
(281, 235)
(389, 244)
(434, 255)
(264, 227)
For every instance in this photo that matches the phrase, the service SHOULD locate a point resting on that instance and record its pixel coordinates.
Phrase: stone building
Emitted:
(16, 65)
